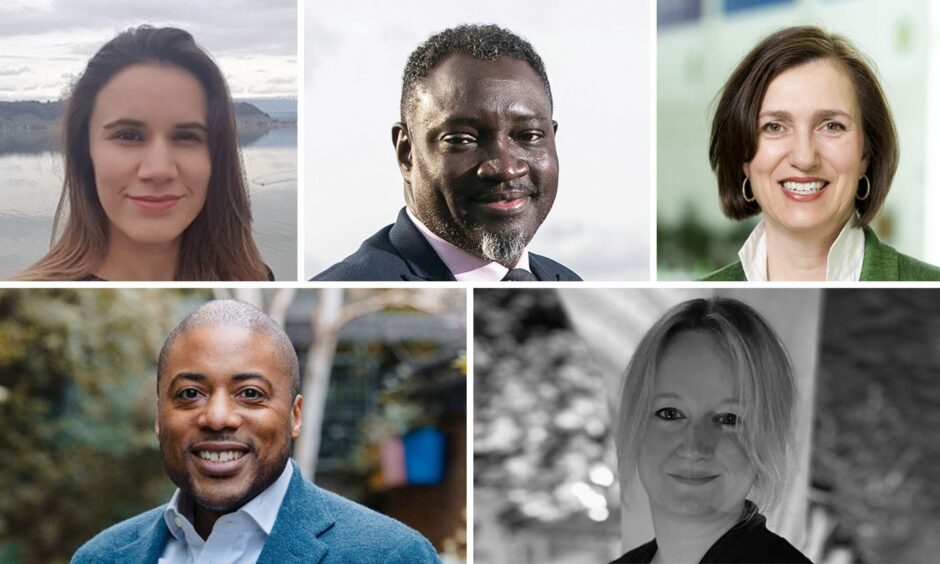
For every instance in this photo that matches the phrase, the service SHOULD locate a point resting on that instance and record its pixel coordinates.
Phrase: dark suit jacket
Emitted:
(400, 252)
(313, 525)
(881, 263)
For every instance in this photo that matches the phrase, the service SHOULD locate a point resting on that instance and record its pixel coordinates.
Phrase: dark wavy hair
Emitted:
(484, 42)
(218, 244)
(735, 125)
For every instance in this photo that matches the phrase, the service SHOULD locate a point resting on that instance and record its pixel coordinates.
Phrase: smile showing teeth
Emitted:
(804, 187)
(226, 456)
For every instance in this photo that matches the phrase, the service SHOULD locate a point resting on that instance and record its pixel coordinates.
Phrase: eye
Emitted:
(128, 135)
(188, 394)
(531, 135)
(772, 128)
(669, 414)
(458, 139)
(834, 127)
(189, 136)
(251, 394)
(729, 419)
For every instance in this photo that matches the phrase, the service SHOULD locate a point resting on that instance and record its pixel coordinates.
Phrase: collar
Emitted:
(463, 265)
(843, 264)
(262, 510)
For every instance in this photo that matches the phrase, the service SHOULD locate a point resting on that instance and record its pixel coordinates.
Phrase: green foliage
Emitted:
(77, 399)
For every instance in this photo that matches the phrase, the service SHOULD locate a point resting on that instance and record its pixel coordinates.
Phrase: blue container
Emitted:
(424, 456)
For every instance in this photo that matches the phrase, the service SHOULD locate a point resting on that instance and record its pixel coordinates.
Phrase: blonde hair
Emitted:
(763, 379)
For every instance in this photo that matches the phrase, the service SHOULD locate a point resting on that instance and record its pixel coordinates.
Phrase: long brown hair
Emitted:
(218, 244)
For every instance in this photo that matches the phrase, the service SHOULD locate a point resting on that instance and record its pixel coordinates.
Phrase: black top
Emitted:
(399, 252)
(748, 541)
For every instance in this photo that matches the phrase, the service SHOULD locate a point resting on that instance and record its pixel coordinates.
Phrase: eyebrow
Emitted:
(779, 114)
(464, 120)
(127, 122)
(238, 377)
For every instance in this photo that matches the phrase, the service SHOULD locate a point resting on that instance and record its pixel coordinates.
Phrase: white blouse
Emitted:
(844, 263)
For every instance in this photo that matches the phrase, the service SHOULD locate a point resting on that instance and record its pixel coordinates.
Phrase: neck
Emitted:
(798, 255)
(204, 520)
(686, 540)
(127, 260)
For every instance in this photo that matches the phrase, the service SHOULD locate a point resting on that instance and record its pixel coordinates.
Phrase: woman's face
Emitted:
(810, 150)
(691, 462)
(148, 144)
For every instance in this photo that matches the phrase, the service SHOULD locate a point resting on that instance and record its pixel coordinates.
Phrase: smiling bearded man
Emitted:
(228, 409)
(476, 150)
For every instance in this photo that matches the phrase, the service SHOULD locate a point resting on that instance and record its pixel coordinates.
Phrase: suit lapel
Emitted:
(415, 250)
(880, 262)
(302, 518)
(149, 546)
(539, 269)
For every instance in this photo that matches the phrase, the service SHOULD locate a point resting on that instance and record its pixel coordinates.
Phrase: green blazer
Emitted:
(881, 263)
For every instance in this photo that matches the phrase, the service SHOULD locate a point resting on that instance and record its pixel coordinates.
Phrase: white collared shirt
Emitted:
(843, 264)
(464, 266)
(237, 537)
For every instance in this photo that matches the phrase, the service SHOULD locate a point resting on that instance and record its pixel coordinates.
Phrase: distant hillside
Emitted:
(45, 115)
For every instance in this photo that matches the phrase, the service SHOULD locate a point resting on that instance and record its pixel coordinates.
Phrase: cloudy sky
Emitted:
(597, 56)
(44, 44)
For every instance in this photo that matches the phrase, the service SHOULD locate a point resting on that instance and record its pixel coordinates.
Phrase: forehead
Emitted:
(694, 366)
(463, 86)
(222, 351)
(153, 93)
(820, 84)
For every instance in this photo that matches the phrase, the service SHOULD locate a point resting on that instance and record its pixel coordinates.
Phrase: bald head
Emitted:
(233, 313)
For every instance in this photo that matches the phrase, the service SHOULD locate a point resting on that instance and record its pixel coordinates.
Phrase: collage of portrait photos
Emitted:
(491, 282)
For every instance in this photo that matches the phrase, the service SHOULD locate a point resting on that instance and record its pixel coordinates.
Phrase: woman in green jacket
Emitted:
(803, 134)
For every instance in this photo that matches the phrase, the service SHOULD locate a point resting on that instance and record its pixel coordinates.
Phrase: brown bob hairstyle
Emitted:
(735, 125)
(218, 244)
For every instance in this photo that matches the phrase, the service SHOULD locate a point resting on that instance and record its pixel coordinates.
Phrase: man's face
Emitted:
(225, 418)
(479, 157)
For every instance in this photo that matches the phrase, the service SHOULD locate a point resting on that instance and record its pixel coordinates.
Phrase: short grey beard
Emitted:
(504, 248)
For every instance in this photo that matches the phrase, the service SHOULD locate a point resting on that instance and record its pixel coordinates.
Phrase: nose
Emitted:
(502, 165)
(698, 441)
(219, 413)
(803, 153)
(157, 163)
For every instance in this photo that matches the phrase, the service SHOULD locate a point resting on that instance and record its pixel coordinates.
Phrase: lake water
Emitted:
(31, 170)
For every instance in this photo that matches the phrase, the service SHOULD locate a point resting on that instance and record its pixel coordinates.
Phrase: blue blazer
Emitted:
(313, 525)
(400, 252)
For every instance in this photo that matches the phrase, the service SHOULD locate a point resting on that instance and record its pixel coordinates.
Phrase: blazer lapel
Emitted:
(302, 518)
(880, 262)
(415, 250)
(540, 271)
(149, 546)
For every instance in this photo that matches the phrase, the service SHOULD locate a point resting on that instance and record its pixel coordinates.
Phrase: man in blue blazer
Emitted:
(228, 409)
(476, 150)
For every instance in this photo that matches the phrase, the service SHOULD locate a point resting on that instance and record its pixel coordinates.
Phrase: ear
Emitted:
(747, 170)
(296, 412)
(156, 423)
(402, 142)
(555, 126)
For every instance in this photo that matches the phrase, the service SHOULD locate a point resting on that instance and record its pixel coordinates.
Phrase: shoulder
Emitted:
(375, 260)
(104, 546)
(767, 546)
(558, 270)
(360, 533)
(643, 553)
(883, 263)
(911, 269)
(734, 272)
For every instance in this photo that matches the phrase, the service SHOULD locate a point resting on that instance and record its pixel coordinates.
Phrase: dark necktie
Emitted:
(519, 275)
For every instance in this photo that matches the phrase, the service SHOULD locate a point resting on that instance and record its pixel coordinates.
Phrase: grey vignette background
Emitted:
(597, 55)
(45, 45)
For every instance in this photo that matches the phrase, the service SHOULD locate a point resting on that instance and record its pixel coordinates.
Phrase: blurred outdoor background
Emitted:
(699, 42)
(548, 366)
(44, 47)
(383, 371)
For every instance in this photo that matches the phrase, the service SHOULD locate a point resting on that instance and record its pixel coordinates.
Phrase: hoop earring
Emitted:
(867, 190)
(744, 191)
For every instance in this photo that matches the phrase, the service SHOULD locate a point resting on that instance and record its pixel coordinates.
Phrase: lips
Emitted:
(219, 459)
(505, 202)
(693, 479)
(803, 189)
(155, 203)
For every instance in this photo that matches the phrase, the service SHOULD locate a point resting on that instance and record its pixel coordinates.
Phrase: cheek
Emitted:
(196, 169)
(114, 168)
(844, 155)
